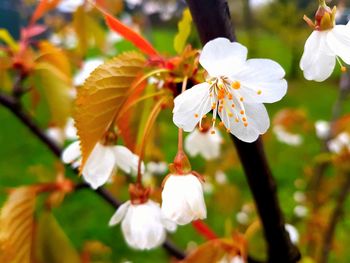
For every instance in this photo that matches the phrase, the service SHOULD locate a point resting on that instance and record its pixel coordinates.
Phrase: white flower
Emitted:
(142, 224)
(322, 49)
(157, 168)
(182, 199)
(286, 137)
(204, 144)
(293, 233)
(102, 162)
(88, 66)
(235, 90)
(220, 177)
(58, 135)
(69, 6)
(340, 143)
(322, 129)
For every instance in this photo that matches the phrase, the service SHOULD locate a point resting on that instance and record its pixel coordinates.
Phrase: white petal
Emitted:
(338, 39)
(71, 153)
(258, 123)
(293, 233)
(220, 57)
(69, 6)
(318, 61)
(119, 214)
(262, 81)
(126, 160)
(204, 143)
(99, 166)
(193, 101)
(322, 129)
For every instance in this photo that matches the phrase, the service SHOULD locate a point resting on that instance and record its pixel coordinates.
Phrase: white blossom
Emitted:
(69, 6)
(88, 67)
(102, 162)
(322, 49)
(235, 89)
(322, 129)
(142, 225)
(204, 143)
(340, 143)
(60, 135)
(182, 199)
(287, 137)
(301, 211)
(293, 233)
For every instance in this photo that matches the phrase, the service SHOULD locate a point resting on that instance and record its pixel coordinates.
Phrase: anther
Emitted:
(212, 132)
(233, 105)
(196, 115)
(241, 99)
(221, 124)
(230, 114)
(236, 85)
(241, 112)
(259, 92)
(244, 119)
(343, 69)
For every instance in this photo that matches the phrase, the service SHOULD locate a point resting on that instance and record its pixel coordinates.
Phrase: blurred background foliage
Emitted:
(78, 225)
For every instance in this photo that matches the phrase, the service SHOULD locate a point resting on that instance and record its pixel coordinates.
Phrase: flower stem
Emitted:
(149, 124)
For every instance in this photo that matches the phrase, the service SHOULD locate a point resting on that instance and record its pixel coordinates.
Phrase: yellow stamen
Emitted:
(236, 85)
(343, 69)
(259, 92)
(196, 115)
(241, 99)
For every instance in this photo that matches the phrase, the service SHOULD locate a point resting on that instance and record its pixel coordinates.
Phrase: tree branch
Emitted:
(334, 219)
(212, 19)
(13, 104)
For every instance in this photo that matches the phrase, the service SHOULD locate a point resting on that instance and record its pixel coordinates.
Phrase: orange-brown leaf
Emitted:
(16, 226)
(102, 96)
(43, 7)
(129, 34)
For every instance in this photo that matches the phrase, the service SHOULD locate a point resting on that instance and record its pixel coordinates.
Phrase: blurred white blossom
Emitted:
(286, 137)
(322, 129)
(340, 143)
(88, 67)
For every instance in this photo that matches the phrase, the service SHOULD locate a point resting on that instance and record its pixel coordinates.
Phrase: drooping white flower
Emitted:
(88, 66)
(235, 90)
(220, 177)
(322, 129)
(143, 226)
(204, 143)
(326, 44)
(340, 143)
(102, 162)
(287, 137)
(182, 199)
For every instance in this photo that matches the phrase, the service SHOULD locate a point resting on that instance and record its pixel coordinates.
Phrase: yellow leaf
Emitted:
(56, 88)
(184, 27)
(16, 226)
(102, 96)
(54, 56)
(88, 30)
(7, 38)
(52, 245)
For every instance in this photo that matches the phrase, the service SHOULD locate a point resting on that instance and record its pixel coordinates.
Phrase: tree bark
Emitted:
(212, 19)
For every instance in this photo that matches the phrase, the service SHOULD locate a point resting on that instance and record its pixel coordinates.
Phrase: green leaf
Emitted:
(8, 39)
(52, 244)
(184, 27)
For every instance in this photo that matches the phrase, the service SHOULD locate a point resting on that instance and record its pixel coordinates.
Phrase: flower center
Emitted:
(226, 100)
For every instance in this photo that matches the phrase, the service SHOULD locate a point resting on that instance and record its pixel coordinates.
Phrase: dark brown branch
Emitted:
(13, 104)
(212, 18)
(334, 219)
